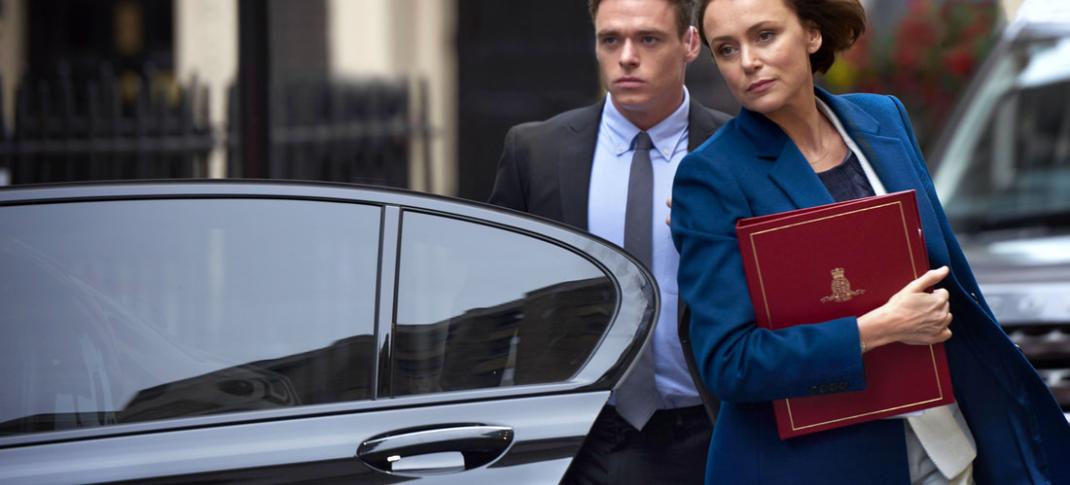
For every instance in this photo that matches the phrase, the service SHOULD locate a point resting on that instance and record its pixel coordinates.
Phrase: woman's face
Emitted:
(763, 51)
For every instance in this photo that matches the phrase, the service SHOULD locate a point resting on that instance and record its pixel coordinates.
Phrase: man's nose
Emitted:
(629, 54)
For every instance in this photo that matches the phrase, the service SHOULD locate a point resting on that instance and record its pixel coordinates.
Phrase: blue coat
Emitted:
(750, 168)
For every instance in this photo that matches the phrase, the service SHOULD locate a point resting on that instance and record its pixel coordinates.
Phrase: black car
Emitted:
(237, 331)
(1003, 174)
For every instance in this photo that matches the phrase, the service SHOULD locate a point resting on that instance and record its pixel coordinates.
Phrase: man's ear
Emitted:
(693, 44)
(813, 38)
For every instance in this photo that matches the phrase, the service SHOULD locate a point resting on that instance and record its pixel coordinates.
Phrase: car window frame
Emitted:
(619, 345)
(385, 377)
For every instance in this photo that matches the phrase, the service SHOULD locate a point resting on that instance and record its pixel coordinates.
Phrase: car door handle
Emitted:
(444, 449)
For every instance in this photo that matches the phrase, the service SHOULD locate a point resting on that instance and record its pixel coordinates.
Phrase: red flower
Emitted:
(959, 61)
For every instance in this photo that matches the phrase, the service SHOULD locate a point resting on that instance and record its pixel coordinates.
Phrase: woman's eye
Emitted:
(725, 51)
(766, 36)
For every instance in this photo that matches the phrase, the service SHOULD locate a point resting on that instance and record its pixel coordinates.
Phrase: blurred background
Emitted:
(405, 93)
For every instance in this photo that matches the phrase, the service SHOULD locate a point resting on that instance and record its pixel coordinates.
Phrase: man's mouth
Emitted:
(628, 82)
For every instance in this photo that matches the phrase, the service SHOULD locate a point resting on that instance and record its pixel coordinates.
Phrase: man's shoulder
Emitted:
(728, 138)
(574, 119)
(718, 118)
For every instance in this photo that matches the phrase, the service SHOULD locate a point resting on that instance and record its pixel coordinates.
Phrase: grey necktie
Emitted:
(637, 396)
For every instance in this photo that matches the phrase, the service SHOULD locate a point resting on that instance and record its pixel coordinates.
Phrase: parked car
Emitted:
(1002, 169)
(233, 331)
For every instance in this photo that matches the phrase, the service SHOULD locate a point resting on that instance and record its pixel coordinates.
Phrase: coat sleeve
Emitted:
(737, 360)
(509, 190)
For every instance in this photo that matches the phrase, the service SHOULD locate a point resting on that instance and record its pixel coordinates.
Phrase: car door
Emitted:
(275, 332)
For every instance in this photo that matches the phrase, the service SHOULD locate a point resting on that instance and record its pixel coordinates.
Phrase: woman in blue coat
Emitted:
(793, 146)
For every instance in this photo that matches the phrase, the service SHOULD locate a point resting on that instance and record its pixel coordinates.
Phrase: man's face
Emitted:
(642, 57)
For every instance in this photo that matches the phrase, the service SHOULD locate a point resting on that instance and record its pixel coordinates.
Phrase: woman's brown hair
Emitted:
(841, 23)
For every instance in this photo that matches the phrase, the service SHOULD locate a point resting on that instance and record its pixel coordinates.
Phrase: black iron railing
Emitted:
(348, 131)
(64, 132)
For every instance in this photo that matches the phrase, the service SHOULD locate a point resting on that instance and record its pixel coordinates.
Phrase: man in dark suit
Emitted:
(608, 169)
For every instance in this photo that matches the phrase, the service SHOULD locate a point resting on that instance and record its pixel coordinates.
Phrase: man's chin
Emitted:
(635, 103)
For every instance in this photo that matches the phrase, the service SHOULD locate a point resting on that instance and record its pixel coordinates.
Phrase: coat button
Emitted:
(973, 295)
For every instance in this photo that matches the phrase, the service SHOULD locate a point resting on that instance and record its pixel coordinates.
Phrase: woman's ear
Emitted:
(813, 37)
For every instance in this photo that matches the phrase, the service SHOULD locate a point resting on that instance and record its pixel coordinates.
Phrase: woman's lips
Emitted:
(759, 87)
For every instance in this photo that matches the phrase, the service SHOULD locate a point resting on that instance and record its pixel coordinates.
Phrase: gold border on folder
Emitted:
(914, 268)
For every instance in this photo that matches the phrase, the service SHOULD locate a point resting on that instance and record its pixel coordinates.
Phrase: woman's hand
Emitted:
(912, 316)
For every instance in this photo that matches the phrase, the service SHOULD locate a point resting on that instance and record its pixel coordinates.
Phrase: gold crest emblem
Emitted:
(841, 288)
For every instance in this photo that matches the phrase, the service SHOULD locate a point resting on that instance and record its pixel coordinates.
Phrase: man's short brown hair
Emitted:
(841, 23)
(683, 8)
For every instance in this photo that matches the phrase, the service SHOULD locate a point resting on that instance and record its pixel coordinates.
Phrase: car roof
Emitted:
(1044, 11)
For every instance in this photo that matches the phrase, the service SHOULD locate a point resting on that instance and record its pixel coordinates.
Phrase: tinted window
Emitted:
(128, 311)
(483, 307)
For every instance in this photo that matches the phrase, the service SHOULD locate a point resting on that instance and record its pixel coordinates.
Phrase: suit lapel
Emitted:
(576, 156)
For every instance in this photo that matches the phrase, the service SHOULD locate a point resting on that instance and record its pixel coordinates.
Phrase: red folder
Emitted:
(821, 263)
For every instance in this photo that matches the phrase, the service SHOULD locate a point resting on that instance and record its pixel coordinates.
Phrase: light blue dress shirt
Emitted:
(608, 197)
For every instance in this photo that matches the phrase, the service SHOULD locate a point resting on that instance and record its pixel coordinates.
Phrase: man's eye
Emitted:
(648, 39)
(608, 40)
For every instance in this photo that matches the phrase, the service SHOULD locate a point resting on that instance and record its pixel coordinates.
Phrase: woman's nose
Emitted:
(749, 58)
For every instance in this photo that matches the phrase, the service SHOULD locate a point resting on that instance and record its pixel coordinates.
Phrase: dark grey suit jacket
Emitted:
(545, 169)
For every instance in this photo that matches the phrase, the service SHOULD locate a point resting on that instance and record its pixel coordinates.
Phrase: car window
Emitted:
(1008, 164)
(480, 306)
(126, 311)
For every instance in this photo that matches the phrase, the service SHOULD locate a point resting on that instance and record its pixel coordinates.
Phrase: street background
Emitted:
(405, 93)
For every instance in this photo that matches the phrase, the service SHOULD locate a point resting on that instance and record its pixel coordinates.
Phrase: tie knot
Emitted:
(642, 141)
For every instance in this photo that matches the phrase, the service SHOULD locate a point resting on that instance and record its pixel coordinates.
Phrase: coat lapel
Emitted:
(576, 156)
(892, 160)
(890, 157)
(792, 173)
(789, 171)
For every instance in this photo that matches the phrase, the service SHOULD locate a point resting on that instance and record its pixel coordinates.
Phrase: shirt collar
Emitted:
(665, 135)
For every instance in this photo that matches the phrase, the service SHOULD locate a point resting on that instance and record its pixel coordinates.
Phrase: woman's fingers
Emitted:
(927, 280)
